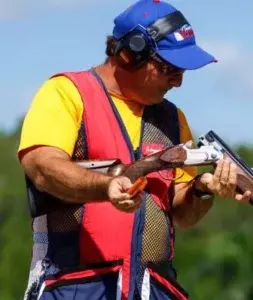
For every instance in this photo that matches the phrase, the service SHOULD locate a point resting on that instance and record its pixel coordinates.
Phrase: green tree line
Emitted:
(214, 259)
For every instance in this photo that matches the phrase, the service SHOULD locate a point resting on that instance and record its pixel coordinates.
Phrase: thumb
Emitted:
(206, 178)
(125, 183)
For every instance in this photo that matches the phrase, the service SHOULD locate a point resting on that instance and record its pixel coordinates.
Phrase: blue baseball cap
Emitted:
(178, 48)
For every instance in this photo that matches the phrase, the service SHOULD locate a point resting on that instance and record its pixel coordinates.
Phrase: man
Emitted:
(101, 243)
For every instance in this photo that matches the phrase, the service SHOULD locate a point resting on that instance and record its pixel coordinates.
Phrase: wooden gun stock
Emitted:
(244, 183)
(166, 159)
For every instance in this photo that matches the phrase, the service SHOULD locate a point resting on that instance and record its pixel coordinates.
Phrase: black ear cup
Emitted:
(132, 51)
(135, 48)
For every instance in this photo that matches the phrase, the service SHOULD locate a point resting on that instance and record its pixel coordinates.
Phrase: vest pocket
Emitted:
(157, 287)
(100, 281)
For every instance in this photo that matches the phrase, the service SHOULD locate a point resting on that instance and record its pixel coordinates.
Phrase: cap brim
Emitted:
(189, 58)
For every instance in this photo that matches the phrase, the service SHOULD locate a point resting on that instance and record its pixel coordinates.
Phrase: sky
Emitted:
(41, 38)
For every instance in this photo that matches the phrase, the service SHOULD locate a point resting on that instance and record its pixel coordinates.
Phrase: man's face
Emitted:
(151, 82)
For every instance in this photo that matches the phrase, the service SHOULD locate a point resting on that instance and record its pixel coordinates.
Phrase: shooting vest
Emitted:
(92, 244)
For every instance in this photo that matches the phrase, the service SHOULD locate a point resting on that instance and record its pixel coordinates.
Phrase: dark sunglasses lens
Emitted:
(167, 68)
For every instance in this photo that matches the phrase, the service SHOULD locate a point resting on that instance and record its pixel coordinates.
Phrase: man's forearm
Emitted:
(70, 182)
(189, 210)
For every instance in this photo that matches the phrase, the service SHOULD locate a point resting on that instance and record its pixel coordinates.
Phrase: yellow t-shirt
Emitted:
(55, 116)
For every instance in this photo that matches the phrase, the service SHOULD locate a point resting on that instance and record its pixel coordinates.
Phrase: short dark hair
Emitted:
(111, 44)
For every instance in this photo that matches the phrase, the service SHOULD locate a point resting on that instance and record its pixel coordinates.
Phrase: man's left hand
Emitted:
(223, 182)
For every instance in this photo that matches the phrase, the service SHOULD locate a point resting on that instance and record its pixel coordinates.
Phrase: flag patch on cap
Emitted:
(185, 32)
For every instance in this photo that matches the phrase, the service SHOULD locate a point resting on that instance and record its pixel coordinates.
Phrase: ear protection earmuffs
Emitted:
(135, 48)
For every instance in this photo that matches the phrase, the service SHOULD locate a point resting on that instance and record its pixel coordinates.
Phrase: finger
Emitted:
(232, 180)
(224, 176)
(133, 208)
(206, 178)
(120, 208)
(125, 183)
(246, 197)
(243, 198)
(116, 197)
(124, 196)
(131, 202)
(126, 203)
(126, 206)
(129, 210)
(218, 171)
(224, 189)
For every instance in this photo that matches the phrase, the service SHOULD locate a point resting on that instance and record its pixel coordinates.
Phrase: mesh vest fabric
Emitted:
(56, 235)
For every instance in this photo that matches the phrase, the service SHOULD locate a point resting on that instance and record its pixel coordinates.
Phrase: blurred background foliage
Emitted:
(214, 259)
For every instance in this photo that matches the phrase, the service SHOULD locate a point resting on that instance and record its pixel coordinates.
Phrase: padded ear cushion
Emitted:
(132, 51)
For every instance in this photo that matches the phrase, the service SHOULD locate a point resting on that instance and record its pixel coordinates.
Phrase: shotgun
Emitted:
(210, 149)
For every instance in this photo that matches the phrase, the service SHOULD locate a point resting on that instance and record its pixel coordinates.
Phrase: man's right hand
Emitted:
(52, 171)
(117, 194)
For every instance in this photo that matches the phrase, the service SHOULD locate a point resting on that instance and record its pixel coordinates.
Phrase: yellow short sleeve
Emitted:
(54, 117)
(188, 173)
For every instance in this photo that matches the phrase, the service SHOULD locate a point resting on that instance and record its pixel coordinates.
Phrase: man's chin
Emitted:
(155, 101)
(151, 101)
(159, 98)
